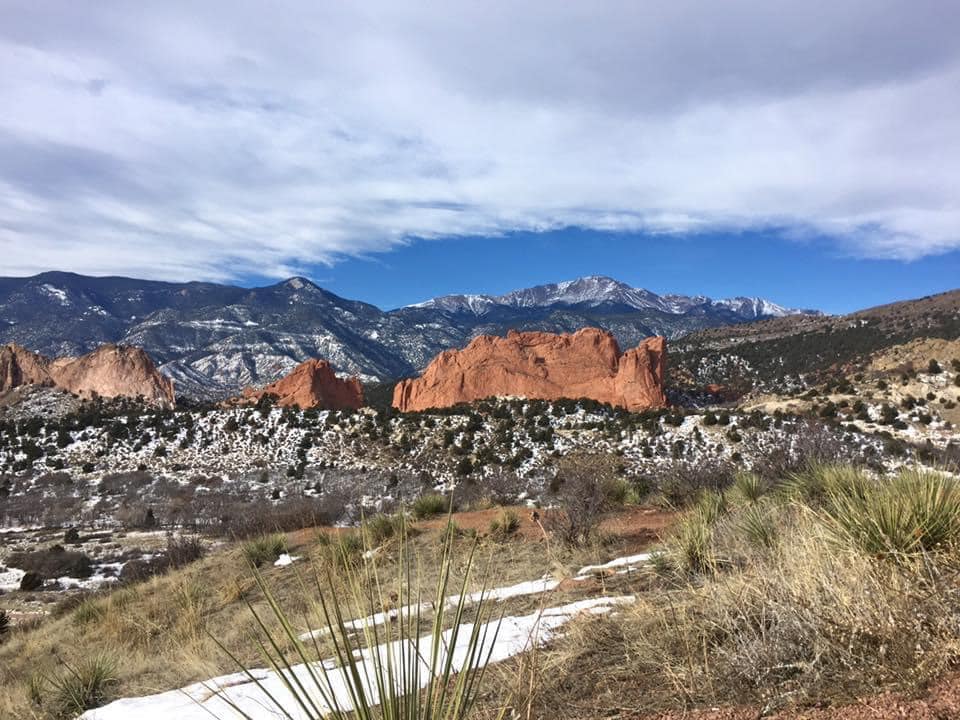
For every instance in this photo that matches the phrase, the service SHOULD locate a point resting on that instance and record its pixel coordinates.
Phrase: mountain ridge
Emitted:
(596, 290)
(215, 339)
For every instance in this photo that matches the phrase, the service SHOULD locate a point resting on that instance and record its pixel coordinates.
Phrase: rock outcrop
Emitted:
(109, 371)
(312, 384)
(543, 366)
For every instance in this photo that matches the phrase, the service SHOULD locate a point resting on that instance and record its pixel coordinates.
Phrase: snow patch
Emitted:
(217, 697)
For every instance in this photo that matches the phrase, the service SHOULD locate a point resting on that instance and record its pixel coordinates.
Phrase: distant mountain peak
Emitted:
(601, 290)
(298, 282)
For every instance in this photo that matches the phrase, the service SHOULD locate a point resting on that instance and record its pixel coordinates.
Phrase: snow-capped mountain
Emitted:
(214, 339)
(596, 291)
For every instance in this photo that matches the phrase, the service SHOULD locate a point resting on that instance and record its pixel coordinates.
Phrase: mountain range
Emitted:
(213, 339)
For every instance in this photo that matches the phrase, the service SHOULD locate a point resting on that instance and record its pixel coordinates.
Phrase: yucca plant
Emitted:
(410, 668)
(80, 687)
(712, 506)
(819, 482)
(506, 523)
(934, 502)
(691, 544)
(749, 486)
(757, 525)
(381, 528)
(917, 511)
(426, 506)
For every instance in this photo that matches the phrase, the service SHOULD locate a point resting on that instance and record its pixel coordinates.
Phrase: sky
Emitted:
(808, 151)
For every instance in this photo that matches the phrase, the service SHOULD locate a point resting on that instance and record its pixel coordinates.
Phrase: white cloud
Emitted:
(185, 140)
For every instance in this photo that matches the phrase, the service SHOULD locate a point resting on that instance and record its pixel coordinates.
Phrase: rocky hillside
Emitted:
(214, 339)
(791, 353)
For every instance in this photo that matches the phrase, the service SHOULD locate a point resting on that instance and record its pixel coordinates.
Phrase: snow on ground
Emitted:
(621, 565)
(10, 579)
(626, 564)
(529, 587)
(218, 697)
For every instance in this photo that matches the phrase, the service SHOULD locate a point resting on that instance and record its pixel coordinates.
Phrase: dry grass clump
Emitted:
(842, 585)
(505, 523)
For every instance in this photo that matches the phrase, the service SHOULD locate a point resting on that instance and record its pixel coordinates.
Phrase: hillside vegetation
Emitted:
(772, 592)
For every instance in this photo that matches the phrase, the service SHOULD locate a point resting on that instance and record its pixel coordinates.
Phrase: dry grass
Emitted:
(768, 602)
(758, 600)
(160, 630)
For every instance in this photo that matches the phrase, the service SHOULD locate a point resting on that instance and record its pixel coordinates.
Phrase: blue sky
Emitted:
(815, 273)
(231, 139)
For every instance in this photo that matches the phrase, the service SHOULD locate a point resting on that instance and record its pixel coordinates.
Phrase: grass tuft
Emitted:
(430, 505)
(505, 523)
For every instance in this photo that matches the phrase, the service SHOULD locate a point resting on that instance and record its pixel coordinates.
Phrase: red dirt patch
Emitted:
(940, 702)
(637, 527)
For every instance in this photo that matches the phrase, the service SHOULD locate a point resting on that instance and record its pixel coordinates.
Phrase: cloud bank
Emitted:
(221, 139)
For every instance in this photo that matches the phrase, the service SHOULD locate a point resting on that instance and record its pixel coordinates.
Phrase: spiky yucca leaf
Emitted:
(758, 526)
(749, 486)
(916, 511)
(411, 668)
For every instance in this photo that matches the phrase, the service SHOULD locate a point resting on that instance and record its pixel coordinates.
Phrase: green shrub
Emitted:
(427, 506)
(264, 549)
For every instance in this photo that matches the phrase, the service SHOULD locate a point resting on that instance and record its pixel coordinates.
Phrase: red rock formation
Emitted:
(109, 371)
(312, 384)
(19, 366)
(542, 366)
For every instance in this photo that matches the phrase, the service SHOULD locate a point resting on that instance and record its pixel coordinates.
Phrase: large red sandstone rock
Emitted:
(109, 371)
(541, 366)
(312, 384)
